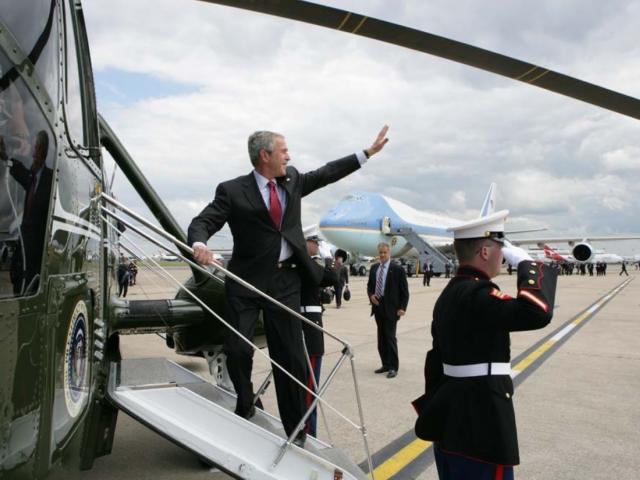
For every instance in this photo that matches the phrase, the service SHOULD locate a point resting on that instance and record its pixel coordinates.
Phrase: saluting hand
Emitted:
(379, 142)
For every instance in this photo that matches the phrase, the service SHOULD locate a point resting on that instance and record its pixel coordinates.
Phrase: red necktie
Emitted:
(275, 208)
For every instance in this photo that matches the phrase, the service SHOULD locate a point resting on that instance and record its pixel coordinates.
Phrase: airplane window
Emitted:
(73, 92)
(34, 25)
(27, 150)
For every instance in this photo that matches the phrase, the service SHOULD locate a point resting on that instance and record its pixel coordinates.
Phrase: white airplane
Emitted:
(548, 254)
(361, 220)
(166, 257)
(581, 249)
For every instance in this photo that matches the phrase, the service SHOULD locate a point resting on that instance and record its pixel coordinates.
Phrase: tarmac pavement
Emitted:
(577, 408)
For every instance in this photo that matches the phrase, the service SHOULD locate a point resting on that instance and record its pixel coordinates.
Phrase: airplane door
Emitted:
(385, 225)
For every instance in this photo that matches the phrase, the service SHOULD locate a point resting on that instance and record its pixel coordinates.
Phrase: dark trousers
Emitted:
(387, 341)
(338, 287)
(123, 287)
(284, 339)
(312, 421)
(426, 279)
(457, 467)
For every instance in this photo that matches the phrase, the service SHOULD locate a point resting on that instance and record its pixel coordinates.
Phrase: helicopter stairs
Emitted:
(199, 416)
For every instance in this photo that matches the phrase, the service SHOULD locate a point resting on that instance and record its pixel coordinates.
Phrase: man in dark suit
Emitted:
(467, 408)
(36, 181)
(342, 275)
(269, 251)
(388, 292)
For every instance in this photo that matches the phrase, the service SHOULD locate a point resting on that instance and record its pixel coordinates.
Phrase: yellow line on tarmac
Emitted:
(533, 356)
(580, 319)
(401, 459)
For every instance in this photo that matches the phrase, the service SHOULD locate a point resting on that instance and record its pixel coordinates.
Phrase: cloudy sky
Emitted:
(183, 83)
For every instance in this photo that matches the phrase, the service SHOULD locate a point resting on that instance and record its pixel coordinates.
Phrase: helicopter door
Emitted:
(27, 162)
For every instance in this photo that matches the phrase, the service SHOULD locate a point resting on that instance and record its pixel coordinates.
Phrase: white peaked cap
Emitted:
(491, 226)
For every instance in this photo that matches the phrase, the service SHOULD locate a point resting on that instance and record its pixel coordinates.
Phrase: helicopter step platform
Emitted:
(199, 416)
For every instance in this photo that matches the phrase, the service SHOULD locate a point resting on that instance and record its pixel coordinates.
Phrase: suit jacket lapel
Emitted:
(285, 183)
(387, 278)
(250, 187)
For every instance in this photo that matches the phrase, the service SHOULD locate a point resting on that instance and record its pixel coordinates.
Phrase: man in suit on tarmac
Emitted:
(342, 275)
(388, 292)
(269, 251)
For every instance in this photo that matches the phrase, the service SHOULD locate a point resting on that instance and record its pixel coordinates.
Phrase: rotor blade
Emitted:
(442, 47)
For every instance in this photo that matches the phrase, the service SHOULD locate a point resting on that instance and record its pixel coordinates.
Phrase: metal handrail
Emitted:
(229, 274)
(347, 350)
(212, 312)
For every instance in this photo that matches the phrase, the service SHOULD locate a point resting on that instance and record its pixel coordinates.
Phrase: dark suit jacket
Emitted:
(396, 290)
(256, 240)
(34, 225)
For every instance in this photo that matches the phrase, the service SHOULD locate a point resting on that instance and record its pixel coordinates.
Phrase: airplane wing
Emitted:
(487, 60)
(571, 240)
(531, 230)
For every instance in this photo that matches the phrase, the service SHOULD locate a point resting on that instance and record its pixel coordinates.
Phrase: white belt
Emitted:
(311, 309)
(477, 369)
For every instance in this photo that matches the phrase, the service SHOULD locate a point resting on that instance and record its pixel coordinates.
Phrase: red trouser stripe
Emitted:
(499, 472)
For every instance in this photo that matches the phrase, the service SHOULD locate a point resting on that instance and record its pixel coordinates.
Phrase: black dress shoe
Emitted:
(247, 414)
(300, 439)
(392, 374)
(381, 370)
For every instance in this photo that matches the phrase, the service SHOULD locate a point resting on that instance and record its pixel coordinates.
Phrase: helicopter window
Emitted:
(27, 150)
(73, 92)
(34, 25)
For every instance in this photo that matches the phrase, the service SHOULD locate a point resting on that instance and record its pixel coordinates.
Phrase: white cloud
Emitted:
(622, 159)
(558, 162)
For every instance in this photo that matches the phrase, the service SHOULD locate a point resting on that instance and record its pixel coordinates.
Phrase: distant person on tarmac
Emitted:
(123, 275)
(342, 275)
(624, 269)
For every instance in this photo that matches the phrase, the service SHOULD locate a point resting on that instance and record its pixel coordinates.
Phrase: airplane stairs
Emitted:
(425, 250)
(199, 416)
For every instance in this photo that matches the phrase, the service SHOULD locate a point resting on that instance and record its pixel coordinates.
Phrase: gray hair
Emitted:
(261, 140)
(384, 244)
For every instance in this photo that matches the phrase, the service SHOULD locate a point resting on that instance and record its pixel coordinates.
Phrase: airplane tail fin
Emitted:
(489, 205)
(552, 254)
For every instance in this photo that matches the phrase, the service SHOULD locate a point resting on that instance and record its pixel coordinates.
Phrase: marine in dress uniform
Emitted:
(311, 308)
(467, 408)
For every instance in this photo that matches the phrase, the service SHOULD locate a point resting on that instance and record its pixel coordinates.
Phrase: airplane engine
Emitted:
(582, 252)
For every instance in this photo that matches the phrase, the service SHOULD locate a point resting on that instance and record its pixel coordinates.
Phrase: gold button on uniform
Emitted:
(532, 272)
(533, 264)
(507, 395)
(531, 282)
